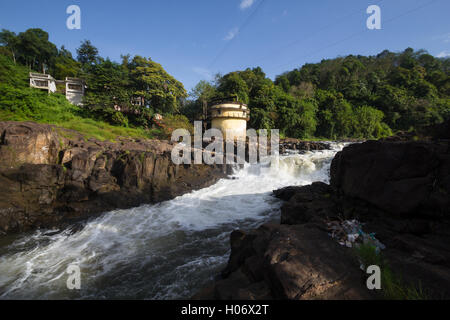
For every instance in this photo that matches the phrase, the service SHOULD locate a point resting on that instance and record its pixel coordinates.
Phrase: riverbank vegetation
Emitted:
(346, 97)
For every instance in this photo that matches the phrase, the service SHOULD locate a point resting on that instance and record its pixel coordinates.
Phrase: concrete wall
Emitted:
(75, 98)
(231, 117)
(237, 127)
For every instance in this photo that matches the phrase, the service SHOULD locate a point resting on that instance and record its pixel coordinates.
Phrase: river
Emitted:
(168, 250)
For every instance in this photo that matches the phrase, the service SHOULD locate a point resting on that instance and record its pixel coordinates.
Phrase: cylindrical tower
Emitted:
(231, 118)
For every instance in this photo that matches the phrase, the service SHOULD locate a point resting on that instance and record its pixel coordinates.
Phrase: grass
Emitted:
(392, 285)
(28, 104)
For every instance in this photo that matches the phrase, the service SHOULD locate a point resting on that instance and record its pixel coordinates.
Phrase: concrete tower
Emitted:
(230, 117)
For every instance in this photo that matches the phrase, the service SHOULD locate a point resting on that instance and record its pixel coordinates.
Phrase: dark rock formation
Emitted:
(51, 175)
(398, 189)
(401, 190)
(288, 262)
(402, 178)
(307, 204)
(296, 144)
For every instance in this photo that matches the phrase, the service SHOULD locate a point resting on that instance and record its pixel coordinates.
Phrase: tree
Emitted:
(35, 50)
(9, 40)
(233, 85)
(87, 53)
(108, 86)
(203, 92)
(368, 123)
(162, 92)
(63, 65)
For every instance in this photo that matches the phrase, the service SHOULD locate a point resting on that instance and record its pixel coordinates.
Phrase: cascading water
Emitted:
(165, 251)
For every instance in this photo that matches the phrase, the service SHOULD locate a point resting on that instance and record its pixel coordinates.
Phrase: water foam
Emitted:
(163, 251)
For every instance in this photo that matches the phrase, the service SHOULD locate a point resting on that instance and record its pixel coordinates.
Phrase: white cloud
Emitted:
(205, 73)
(443, 54)
(231, 34)
(245, 4)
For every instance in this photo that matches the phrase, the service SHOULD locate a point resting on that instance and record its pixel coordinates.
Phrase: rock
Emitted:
(48, 179)
(402, 178)
(399, 189)
(289, 262)
(296, 144)
(307, 204)
(27, 142)
(286, 193)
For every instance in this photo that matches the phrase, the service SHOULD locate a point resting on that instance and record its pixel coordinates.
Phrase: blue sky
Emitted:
(195, 39)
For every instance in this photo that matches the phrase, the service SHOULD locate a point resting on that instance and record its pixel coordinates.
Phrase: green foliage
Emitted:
(233, 85)
(110, 86)
(63, 65)
(159, 89)
(199, 95)
(87, 53)
(30, 48)
(410, 88)
(353, 96)
(119, 119)
(12, 74)
(173, 122)
(392, 286)
(28, 104)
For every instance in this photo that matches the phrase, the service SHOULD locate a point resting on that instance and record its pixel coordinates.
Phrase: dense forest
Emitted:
(353, 96)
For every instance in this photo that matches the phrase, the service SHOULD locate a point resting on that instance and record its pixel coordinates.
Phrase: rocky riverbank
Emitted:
(300, 145)
(399, 190)
(52, 176)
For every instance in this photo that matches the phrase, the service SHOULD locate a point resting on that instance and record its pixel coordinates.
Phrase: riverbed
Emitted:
(168, 250)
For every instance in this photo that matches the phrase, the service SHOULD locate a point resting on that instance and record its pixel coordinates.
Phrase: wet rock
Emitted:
(300, 145)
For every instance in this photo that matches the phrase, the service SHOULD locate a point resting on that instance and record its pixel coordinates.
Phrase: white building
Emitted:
(42, 81)
(74, 87)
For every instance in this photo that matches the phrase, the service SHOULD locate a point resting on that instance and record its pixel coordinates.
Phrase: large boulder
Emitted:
(312, 203)
(298, 262)
(27, 142)
(402, 178)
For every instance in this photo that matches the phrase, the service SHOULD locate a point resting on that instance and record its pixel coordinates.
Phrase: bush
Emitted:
(119, 119)
(28, 104)
(392, 286)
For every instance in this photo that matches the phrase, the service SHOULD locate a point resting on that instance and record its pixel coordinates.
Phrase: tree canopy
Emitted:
(353, 96)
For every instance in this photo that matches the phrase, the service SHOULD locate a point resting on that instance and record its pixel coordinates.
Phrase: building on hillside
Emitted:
(43, 82)
(229, 116)
(73, 88)
(138, 101)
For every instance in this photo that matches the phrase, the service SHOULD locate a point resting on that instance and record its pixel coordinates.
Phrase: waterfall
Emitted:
(164, 251)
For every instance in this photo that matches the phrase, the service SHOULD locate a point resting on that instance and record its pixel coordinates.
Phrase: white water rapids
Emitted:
(168, 250)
